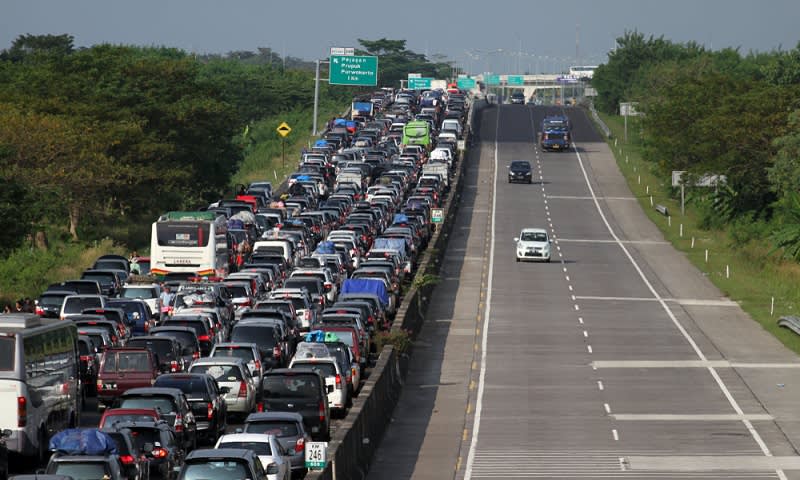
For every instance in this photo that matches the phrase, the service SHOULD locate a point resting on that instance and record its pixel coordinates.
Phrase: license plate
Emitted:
(110, 386)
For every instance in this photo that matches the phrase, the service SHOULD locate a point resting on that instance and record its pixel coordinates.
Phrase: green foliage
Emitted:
(17, 212)
(395, 62)
(400, 339)
(784, 174)
(787, 237)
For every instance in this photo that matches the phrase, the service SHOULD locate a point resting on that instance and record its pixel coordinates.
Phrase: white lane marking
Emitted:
(627, 242)
(689, 364)
(577, 307)
(665, 417)
(580, 320)
(568, 286)
(572, 197)
(567, 278)
(600, 384)
(607, 407)
(724, 388)
(585, 334)
(589, 348)
(573, 298)
(616, 435)
(487, 319)
(689, 302)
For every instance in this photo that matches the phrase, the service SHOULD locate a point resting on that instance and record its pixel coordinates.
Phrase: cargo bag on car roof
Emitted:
(365, 285)
(83, 441)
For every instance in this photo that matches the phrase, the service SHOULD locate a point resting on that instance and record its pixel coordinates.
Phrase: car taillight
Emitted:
(39, 311)
(196, 355)
(146, 327)
(86, 358)
(300, 445)
(321, 412)
(210, 411)
(246, 303)
(173, 366)
(328, 286)
(159, 453)
(258, 365)
(260, 407)
(22, 411)
(307, 315)
(276, 352)
(178, 423)
(113, 339)
(204, 338)
(242, 390)
(126, 459)
(338, 382)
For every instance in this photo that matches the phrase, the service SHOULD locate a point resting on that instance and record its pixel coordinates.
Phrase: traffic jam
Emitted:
(251, 324)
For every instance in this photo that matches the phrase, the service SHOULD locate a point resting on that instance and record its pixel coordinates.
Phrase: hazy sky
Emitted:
(480, 36)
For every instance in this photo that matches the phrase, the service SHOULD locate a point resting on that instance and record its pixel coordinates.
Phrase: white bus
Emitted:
(583, 71)
(39, 386)
(190, 242)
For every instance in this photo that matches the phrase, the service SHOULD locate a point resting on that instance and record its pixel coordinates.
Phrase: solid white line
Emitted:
(589, 348)
(580, 320)
(607, 407)
(616, 435)
(476, 424)
(600, 384)
(585, 334)
(734, 404)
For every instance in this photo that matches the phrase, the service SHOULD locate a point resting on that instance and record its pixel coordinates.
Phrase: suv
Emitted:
(150, 293)
(246, 351)
(518, 98)
(166, 349)
(335, 379)
(301, 391)
(290, 431)
(205, 397)
(121, 369)
(233, 374)
(266, 335)
(171, 405)
(222, 463)
(159, 444)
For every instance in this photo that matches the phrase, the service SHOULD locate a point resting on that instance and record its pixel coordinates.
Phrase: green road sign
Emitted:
(419, 83)
(353, 70)
(316, 455)
(437, 215)
(516, 80)
(465, 83)
(492, 79)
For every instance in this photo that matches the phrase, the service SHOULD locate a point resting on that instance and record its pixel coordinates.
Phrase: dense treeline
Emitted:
(717, 112)
(112, 135)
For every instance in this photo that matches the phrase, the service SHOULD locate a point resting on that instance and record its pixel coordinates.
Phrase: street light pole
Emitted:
(316, 100)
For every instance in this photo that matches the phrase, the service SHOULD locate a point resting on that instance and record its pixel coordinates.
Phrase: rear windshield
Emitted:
(83, 349)
(291, 386)
(221, 373)
(134, 292)
(141, 436)
(186, 339)
(279, 428)
(312, 284)
(198, 326)
(161, 404)
(103, 278)
(214, 469)
(97, 339)
(126, 362)
(79, 304)
(260, 448)
(244, 353)
(128, 417)
(324, 368)
(263, 336)
(51, 300)
(82, 471)
(188, 386)
(7, 350)
(183, 234)
(161, 348)
(237, 291)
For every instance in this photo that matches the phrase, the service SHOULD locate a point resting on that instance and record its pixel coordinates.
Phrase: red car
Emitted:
(114, 415)
(121, 369)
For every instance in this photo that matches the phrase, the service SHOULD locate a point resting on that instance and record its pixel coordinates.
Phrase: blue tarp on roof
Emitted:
(303, 178)
(83, 441)
(326, 248)
(400, 218)
(235, 224)
(321, 143)
(365, 285)
(340, 122)
(390, 244)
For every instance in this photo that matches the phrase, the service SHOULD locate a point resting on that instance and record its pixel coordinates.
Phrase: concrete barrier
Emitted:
(355, 441)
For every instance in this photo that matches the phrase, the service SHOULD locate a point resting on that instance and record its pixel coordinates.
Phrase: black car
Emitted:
(520, 171)
(109, 280)
(300, 391)
(88, 365)
(167, 350)
(173, 407)
(190, 346)
(206, 398)
(201, 327)
(159, 444)
(80, 287)
(49, 303)
(135, 465)
(518, 98)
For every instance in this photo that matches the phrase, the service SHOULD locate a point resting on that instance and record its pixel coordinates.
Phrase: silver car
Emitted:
(234, 374)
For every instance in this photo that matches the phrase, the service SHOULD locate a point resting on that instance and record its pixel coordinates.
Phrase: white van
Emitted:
(282, 246)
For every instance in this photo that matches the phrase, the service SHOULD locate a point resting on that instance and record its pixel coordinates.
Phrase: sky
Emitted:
(506, 36)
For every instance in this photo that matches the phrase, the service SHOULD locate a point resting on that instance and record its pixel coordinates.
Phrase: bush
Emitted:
(399, 339)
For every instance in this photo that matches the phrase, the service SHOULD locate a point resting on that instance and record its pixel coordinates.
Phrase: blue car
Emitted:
(138, 317)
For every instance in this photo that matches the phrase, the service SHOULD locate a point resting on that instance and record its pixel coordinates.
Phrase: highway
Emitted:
(618, 359)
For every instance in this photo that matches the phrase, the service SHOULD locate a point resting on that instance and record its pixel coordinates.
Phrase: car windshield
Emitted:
(163, 405)
(244, 353)
(264, 336)
(279, 428)
(534, 237)
(221, 373)
(79, 304)
(520, 165)
(216, 470)
(291, 386)
(161, 348)
(260, 448)
(51, 300)
(82, 471)
(127, 362)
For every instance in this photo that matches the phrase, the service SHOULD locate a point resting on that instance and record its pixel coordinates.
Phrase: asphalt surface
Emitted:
(618, 359)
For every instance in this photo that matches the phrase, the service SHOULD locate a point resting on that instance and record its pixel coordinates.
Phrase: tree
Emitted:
(27, 45)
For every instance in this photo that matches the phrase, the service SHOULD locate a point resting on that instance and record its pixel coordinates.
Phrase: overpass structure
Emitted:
(540, 86)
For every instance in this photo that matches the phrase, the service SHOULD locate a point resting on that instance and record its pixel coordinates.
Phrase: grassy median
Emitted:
(766, 286)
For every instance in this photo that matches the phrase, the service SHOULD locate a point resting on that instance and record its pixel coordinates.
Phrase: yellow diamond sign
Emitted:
(284, 129)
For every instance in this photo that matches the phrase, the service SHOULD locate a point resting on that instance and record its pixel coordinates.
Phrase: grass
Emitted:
(26, 272)
(746, 274)
(264, 157)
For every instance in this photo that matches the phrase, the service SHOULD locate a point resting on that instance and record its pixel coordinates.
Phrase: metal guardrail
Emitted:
(600, 123)
(662, 209)
(791, 322)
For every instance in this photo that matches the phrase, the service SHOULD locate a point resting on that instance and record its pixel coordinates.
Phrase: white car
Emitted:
(533, 244)
(273, 457)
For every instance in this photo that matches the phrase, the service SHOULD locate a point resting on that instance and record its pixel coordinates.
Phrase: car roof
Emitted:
(219, 361)
(265, 416)
(172, 392)
(534, 230)
(220, 453)
(246, 437)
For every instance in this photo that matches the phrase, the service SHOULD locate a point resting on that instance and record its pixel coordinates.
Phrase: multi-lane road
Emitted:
(618, 359)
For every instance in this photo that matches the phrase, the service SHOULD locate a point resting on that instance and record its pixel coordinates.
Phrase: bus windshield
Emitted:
(183, 234)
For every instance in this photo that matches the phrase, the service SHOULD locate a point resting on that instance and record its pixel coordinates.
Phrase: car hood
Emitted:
(522, 244)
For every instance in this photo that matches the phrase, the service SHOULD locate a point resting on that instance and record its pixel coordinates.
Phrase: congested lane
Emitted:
(568, 387)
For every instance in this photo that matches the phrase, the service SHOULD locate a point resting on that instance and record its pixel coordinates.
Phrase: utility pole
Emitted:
(577, 44)
(316, 100)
